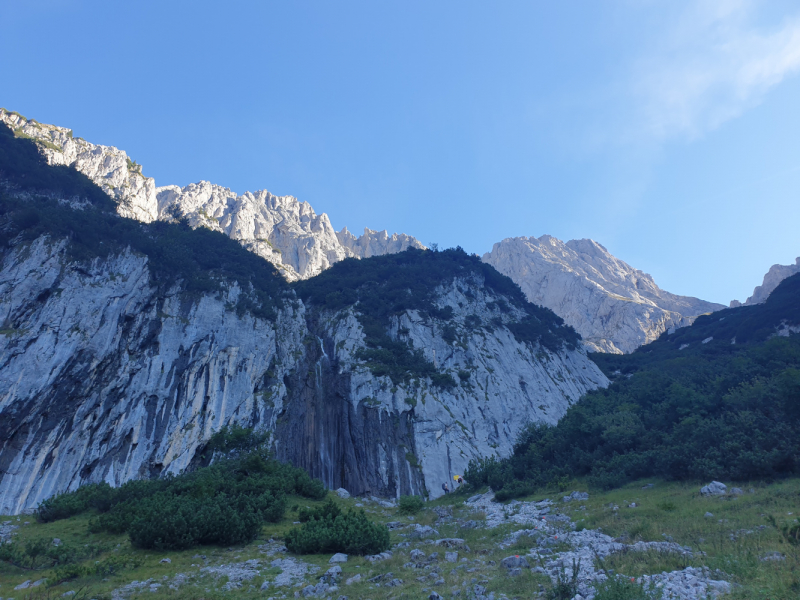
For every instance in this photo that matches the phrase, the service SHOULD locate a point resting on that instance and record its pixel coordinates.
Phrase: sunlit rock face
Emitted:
(281, 229)
(614, 307)
(108, 375)
(375, 243)
(773, 277)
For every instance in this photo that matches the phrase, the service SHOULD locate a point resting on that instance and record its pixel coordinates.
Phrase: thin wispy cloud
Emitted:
(712, 64)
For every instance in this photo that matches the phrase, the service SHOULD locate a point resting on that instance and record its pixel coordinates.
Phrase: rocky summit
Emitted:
(614, 307)
(772, 279)
(281, 229)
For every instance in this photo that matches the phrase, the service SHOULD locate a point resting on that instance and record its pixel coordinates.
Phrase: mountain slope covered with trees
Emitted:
(717, 400)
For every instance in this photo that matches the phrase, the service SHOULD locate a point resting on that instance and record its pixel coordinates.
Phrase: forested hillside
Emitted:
(719, 399)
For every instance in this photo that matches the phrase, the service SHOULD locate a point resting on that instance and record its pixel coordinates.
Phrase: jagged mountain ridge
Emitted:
(614, 307)
(281, 229)
(773, 278)
(591, 292)
(113, 370)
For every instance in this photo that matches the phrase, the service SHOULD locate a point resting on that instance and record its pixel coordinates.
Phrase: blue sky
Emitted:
(667, 131)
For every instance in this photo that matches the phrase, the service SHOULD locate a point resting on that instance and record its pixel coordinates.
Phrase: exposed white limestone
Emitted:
(107, 377)
(508, 383)
(104, 380)
(109, 167)
(375, 243)
(614, 307)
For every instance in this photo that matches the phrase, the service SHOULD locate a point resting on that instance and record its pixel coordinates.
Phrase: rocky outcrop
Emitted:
(283, 230)
(774, 276)
(508, 384)
(109, 375)
(375, 243)
(110, 168)
(614, 307)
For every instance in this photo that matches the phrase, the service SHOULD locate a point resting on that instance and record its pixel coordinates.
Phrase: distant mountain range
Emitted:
(615, 307)
(124, 346)
(281, 229)
(134, 328)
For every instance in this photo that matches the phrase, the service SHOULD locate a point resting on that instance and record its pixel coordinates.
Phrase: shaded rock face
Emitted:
(109, 167)
(614, 307)
(281, 229)
(343, 443)
(772, 279)
(107, 379)
(108, 375)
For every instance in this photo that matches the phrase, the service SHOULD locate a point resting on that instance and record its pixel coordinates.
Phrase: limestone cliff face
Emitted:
(509, 384)
(108, 375)
(283, 230)
(614, 307)
(774, 276)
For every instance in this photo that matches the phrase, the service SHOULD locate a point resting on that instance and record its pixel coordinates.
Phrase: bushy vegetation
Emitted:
(41, 553)
(225, 503)
(329, 529)
(723, 333)
(235, 438)
(410, 505)
(202, 259)
(384, 286)
(722, 411)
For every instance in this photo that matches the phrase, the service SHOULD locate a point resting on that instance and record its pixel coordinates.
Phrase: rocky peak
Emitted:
(281, 229)
(774, 276)
(110, 168)
(615, 307)
(375, 243)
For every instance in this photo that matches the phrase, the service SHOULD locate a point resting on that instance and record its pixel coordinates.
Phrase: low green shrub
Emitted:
(108, 566)
(329, 509)
(410, 505)
(62, 506)
(179, 522)
(40, 553)
(224, 503)
(328, 530)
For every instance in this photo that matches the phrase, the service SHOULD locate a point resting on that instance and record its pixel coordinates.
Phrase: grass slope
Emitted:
(735, 539)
